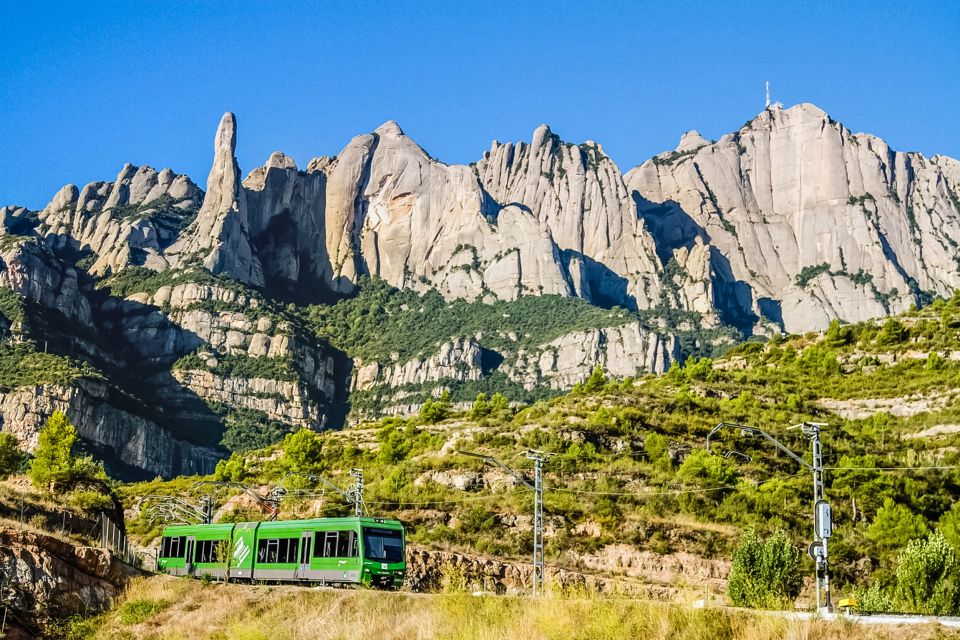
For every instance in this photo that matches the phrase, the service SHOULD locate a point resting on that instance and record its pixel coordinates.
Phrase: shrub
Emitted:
(137, 611)
(481, 406)
(892, 333)
(432, 412)
(764, 573)
(927, 577)
(303, 451)
(90, 500)
(894, 526)
(499, 402)
(10, 455)
(873, 599)
(596, 381)
(949, 526)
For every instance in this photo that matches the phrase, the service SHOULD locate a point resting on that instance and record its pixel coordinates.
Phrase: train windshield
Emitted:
(382, 545)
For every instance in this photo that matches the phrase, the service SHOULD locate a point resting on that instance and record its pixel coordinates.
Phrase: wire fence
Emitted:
(50, 519)
(115, 540)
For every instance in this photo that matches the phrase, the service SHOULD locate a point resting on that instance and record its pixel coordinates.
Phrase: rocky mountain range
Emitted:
(174, 324)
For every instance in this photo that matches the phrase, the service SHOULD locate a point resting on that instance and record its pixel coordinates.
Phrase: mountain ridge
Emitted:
(211, 308)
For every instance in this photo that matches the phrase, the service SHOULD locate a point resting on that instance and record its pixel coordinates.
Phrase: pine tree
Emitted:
(10, 455)
(54, 464)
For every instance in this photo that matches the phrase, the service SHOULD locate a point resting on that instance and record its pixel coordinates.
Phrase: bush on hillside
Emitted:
(303, 452)
(928, 577)
(11, 458)
(894, 526)
(765, 573)
(873, 599)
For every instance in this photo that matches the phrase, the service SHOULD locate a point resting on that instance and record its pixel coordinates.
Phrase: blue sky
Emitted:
(85, 87)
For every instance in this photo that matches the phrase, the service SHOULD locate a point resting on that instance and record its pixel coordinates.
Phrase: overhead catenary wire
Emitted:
(913, 468)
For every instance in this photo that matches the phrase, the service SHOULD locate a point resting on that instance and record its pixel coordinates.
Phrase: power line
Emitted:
(917, 468)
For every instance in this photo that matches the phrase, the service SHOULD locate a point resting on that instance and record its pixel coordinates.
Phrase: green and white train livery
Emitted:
(338, 551)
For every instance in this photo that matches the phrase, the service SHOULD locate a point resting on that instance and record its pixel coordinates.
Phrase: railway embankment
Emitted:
(45, 577)
(633, 573)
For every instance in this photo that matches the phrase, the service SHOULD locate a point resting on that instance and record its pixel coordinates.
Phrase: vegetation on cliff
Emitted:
(630, 465)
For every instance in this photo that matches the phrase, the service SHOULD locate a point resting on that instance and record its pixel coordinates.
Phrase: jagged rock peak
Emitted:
(540, 136)
(279, 160)
(806, 222)
(691, 140)
(226, 135)
(389, 128)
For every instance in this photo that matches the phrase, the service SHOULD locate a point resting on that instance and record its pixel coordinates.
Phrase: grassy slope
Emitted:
(174, 609)
(613, 467)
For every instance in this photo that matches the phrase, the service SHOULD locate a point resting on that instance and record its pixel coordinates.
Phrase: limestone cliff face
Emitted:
(805, 221)
(460, 360)
(624, 350)
(394, 212)
(130, 221)
(578, 193)
(286, 216)
(32, 271)
(116, 435)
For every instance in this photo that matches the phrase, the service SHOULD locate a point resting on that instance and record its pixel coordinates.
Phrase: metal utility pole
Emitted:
(358, 507)
(539, 566)
(539, 458)
(822, 520)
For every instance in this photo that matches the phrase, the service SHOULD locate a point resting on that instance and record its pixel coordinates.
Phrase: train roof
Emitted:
(279, 525)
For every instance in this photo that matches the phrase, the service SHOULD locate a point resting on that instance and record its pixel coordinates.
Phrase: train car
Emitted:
(337, 551)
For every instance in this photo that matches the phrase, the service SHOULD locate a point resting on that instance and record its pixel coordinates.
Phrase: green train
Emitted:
(333, 551)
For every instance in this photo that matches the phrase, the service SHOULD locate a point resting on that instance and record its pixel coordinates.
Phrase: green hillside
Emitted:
(630, 465)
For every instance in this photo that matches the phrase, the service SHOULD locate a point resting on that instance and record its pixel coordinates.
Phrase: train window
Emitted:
(173, 547)
(267, 551)
(343, 544)
(335, 544)
(383, 545)
(203, 551)
(277, 550)
(208, 551)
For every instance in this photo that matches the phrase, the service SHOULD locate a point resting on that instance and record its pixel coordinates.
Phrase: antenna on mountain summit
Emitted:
(768, 95)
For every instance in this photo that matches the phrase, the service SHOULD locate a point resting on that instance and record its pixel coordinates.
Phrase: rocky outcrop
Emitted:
(286, 216)
(429, 570)
(622, 351)
(625, 350)
(284, 401)
(458, 360)
(659, 568)
(45, 578)
(130, 221)
(394, 212)
(577, 192)
(806, 222)
(116, 435)
(30, 270)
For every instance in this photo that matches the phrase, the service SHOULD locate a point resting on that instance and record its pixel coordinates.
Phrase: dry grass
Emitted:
(235, 612)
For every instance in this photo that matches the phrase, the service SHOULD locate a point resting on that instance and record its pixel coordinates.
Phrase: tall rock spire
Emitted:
(220, 234)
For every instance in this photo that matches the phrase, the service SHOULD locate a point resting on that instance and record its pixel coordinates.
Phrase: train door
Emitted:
(188, 561)
(306, 544)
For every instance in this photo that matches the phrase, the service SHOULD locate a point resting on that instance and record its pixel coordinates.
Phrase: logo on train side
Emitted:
(241, 551)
